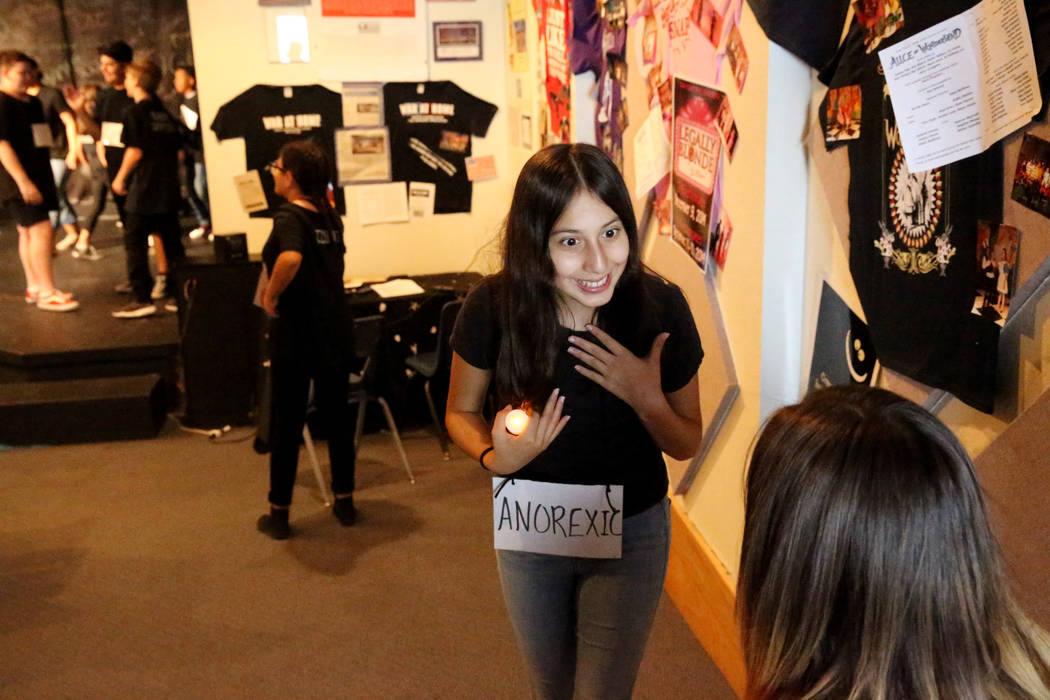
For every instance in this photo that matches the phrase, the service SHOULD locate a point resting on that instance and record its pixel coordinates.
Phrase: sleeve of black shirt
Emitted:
(683, 352)
(6, 120)
(481, 114)
(476, 335)
(227, 124)
(288, 232)
(136, 128)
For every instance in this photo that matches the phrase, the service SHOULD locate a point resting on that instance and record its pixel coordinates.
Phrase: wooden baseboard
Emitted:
(705, 595)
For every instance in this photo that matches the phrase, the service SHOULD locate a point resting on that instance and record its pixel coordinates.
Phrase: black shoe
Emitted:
(123, 288)
(135, 309)
(344, 511)
(275, 524)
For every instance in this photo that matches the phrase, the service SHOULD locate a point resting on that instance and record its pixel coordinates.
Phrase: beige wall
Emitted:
(229, 45)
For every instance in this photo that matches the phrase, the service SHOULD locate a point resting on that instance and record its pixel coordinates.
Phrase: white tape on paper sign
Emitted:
(566, 519)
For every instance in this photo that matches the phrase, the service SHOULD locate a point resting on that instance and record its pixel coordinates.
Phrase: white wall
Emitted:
(230, 50)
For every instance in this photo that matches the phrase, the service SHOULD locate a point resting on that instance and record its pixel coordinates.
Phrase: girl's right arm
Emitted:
(468, 428)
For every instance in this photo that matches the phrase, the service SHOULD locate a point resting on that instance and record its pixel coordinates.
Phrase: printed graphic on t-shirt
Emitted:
(452, 141)
(916, 210)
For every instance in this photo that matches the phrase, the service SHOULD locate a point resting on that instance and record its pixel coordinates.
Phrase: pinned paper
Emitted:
(250, 191)
(481, 168)
(42, 136)
(111, 134)
(189, 117)
(380, 204)
(421, 199)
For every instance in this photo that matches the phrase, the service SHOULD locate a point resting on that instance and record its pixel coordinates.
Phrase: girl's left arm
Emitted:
(673, 419)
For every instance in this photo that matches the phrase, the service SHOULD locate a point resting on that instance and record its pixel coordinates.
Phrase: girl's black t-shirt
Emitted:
(605, 441)
(312, 308)
(17, 118)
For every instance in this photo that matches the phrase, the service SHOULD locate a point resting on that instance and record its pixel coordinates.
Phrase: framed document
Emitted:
(362, 154)
(457, 41)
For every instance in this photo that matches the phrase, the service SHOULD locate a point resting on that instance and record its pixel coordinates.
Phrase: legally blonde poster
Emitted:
(696, 158)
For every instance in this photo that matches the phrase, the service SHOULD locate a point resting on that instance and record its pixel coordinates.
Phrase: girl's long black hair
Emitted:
(312, 170)
(527, 303)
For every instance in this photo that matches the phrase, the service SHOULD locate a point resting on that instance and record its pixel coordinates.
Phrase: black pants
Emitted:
(292, 372)
(137, 228)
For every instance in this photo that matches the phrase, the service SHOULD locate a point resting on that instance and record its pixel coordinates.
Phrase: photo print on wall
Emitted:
(997, 251)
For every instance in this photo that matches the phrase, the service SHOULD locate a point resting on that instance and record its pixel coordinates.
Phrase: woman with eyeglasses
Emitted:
(311, 331)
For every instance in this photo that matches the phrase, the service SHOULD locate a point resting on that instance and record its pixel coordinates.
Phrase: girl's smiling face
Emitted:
(589, 249)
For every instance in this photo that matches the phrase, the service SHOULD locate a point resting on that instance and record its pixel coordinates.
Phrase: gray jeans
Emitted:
(582, 624)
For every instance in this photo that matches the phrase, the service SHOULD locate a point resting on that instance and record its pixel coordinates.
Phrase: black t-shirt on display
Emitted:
(17, 118)
(112, 106)
(313, 314)
(431, 125)
(153, 187)
(54, 105)
(809, 29)
(913, 236)
(269, 116)
(605, 441)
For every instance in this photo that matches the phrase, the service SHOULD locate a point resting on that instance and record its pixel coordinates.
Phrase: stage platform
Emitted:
(61, 350)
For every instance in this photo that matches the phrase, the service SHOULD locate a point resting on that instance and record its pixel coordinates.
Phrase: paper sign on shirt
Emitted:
(42, 136)
(421, 199)
(566, 519)
(481, 168)
(112, 133)
(963, 84)
(189, 117)
(250, 191)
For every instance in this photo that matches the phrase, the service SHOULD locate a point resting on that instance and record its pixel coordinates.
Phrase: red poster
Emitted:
(553, 18)
(695, 159)
(368, 8)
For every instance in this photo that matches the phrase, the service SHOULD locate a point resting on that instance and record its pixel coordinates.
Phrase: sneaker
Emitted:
(57, 301)
(135, 309)
(86, 252)
(67, 242)
(160, 283)
(200, 232)
(275, 524)
(344, 511)
(171, 307)
(122, 288)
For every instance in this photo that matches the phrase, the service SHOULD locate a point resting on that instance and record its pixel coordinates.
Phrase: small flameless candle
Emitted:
(516, 421)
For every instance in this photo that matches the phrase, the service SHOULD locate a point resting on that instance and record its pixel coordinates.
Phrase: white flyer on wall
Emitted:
(963, 84)
(250, 191)
(380, 204)
(421, 199)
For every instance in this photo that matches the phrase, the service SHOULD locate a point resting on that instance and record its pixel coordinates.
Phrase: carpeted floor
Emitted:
(134, 570)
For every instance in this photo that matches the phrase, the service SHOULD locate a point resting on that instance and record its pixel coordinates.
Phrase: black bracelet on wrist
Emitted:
(481, 457)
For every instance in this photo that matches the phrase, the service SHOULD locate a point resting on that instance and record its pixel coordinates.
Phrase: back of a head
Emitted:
(868, 567)
(308, 164)
(147, 73)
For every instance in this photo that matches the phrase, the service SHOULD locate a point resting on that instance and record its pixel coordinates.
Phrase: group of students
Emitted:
(134, 150)
(868, 568)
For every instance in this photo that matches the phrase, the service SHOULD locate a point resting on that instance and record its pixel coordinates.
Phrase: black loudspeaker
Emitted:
(220, 330)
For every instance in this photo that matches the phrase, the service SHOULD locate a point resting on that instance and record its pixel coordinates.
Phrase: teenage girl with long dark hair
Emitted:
(310, 333)
(604, 355)
(869, 569)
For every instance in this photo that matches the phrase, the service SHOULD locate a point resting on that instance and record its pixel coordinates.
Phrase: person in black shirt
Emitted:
(148, 177)
(113, 101)
(311, 331)
(188, 110)
(26, 184)
(66, 153)
(605, 356)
